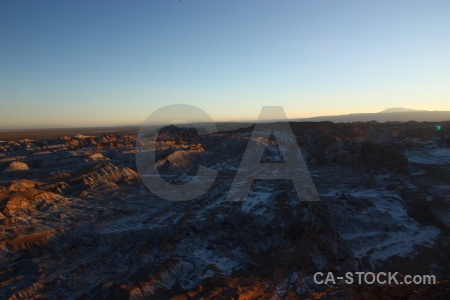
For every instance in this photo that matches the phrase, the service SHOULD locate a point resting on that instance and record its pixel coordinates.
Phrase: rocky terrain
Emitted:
(76, 221)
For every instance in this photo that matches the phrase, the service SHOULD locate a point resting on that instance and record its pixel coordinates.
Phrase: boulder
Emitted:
(17, 166)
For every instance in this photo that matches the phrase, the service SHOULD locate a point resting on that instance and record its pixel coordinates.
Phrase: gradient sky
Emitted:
(84, 63)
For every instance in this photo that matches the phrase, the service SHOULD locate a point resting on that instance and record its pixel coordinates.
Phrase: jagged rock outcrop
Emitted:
(106, 175)
(96, 157)
(22, 184)
(28, 198)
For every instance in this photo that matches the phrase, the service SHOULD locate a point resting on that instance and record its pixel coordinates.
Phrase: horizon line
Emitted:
(304, 119)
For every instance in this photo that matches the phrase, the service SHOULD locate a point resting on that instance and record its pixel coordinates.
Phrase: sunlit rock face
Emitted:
(17, 166)
(78, 222)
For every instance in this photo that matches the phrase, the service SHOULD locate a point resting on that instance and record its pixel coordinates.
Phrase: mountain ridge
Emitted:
(398, 116)
(399, 109)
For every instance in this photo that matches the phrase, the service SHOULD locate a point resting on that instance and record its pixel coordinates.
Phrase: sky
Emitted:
(108, 63)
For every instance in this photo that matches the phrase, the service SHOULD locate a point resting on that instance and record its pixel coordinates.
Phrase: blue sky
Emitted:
(101, 63)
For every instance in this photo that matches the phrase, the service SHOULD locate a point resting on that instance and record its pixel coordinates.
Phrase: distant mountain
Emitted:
(396, 114)
(397, 109)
